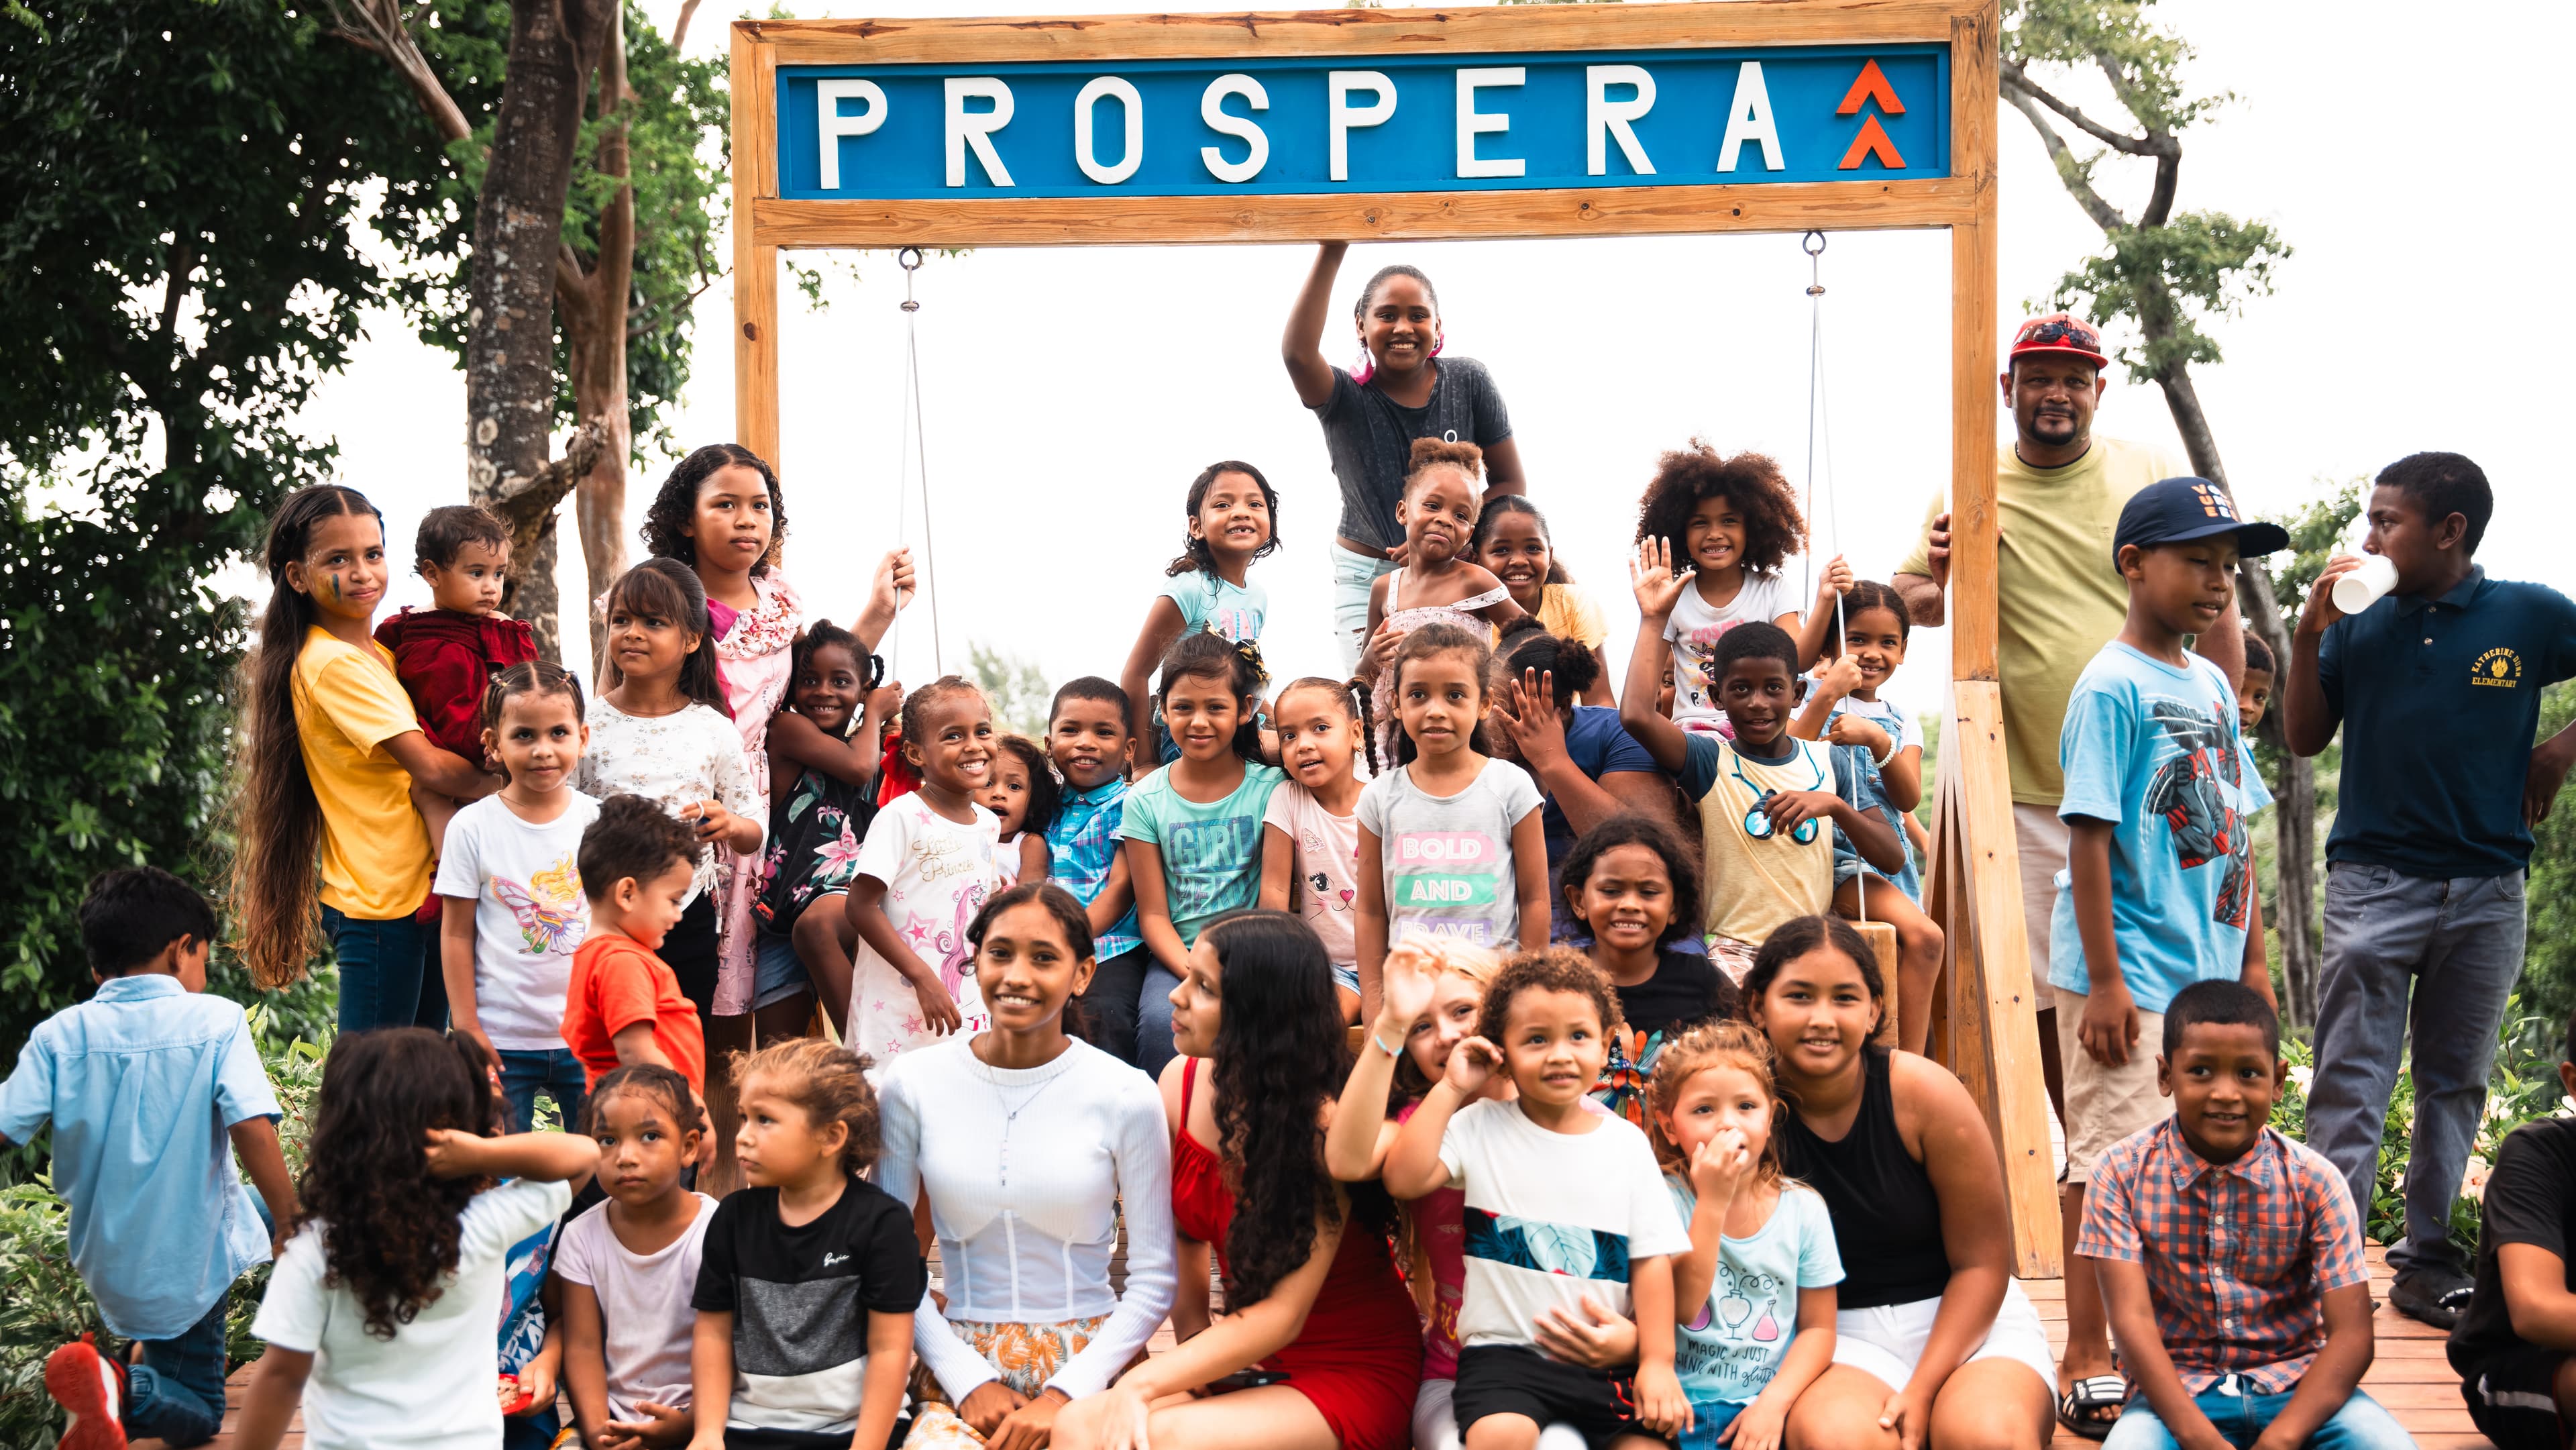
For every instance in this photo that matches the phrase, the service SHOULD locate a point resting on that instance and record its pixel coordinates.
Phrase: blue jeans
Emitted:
(177, 1392)
(2360, 1425)
(2458, 945)
(1154, 1020)
(555, 1072)
(1353, 575)
(389, 975)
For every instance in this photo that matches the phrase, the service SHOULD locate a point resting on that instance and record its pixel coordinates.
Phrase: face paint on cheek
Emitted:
(335, 586)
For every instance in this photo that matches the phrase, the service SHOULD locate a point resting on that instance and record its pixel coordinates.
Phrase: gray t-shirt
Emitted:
(1447, 860)
(1370, 437)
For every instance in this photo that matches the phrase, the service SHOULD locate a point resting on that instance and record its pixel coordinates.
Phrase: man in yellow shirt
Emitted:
(2058, 493)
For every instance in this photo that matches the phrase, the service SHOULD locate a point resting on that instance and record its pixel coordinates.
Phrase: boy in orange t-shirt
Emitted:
(623, 1005)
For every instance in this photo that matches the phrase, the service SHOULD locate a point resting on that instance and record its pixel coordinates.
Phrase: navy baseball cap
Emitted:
(2176, 510)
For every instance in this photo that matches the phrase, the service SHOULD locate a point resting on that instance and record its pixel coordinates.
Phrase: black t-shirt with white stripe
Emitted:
(800, 1297)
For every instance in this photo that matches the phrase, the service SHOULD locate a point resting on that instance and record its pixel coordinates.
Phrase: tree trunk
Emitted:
(518, 230)
(593, 308)
(2294, 910)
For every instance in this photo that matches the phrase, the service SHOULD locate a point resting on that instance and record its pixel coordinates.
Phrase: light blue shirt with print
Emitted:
(142, 1083)
(1210, 601)
(1083, 844)
(2155, 750)
(1727, 1348)
(1211, 851)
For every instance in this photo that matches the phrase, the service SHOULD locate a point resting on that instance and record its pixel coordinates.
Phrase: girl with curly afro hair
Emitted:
(1730, 524)
(379, 1316)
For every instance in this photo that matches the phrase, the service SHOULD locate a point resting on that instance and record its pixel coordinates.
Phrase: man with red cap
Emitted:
(2058, 494)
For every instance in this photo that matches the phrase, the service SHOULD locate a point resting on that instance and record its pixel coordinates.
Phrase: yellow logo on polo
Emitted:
(2498, 667)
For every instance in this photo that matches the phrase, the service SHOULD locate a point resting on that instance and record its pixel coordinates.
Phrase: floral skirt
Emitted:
(1026, 1356)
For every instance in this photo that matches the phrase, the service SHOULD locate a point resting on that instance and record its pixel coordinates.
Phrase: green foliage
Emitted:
(678, 134)
(177, 206)
(2145, 62)
(2200, 265)
(2549, 952)
(1930, 721)
(42, 1299)
(1018, 690)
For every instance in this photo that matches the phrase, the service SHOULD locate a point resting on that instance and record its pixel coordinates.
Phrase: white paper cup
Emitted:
(2361, 588)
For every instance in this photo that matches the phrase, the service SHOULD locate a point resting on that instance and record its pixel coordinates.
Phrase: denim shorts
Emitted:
(777, 973)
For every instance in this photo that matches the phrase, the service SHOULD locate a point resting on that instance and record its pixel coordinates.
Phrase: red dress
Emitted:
(445, 661)
(1359, 1359)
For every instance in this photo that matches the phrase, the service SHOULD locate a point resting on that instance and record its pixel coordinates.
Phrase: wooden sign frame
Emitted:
(1985, 1027)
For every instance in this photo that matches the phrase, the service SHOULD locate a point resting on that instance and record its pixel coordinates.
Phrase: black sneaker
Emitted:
(2435, 1296)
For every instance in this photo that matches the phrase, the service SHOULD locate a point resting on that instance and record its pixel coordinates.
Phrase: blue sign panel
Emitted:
(1535, 121)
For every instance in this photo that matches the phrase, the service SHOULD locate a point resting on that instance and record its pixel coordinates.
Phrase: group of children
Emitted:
(1619, 1067)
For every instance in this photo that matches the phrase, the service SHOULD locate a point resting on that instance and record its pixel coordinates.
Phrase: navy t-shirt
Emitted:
(2439, 700)
(1598, 745)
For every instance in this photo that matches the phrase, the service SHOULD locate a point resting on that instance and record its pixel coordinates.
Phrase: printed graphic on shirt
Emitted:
(1551, 1248)
(1321, 895)
(1438, 869)
(547, 907)
(1738, 1329)
(2497, 668)
(1222, 847)
(1698, 650)
(2186, 791)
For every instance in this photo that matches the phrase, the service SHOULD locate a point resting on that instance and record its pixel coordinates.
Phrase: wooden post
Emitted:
(1989, 1024)
(755, 262)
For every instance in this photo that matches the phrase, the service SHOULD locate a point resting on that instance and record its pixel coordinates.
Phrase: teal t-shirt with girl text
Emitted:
(1211, 851)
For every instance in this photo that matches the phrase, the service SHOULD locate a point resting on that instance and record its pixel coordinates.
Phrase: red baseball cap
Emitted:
(2058, 332)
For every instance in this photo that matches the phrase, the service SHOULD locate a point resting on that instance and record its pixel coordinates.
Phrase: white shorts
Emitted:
(2039, 838)
(1886, 1342)
(1435, 1422)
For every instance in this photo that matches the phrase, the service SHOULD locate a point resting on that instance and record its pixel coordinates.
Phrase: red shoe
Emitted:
(91, 1387)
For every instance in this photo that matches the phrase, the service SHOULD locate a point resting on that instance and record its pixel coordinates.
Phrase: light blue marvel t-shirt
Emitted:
(2156, 751)
(1210, 601)
(1211, 851)
(1726, 1349)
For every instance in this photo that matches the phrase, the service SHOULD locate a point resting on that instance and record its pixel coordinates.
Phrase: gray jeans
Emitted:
(2458, 944)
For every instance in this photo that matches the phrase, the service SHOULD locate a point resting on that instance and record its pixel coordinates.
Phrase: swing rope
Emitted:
(913, 441)
(1820, 427)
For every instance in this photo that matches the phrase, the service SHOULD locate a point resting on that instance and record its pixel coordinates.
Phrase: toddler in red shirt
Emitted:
(446, 655)
(623, 1005)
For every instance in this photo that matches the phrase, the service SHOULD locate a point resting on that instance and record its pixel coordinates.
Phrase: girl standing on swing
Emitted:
(1403, 390)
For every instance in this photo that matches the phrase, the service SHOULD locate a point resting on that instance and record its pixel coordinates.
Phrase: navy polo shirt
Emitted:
(2439, 700)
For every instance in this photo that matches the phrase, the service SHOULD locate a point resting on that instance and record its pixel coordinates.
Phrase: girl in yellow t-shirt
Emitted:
(1512, 541)
(330, 748)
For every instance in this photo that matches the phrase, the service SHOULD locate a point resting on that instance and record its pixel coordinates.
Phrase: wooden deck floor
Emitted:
(2409, 1375)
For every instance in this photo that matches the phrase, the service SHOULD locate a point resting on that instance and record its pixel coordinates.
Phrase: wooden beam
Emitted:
(899, 40)
(1371, 217)
(1973, 524)
(755, 263)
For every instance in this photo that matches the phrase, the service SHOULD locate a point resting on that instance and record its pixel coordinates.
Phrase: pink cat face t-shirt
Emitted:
(1326, 889)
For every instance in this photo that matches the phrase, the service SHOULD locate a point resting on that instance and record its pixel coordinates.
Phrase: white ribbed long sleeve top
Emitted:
(1026, 1206)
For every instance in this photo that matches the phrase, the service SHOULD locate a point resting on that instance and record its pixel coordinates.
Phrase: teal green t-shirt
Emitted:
(1727, 1348)
(1211, 851)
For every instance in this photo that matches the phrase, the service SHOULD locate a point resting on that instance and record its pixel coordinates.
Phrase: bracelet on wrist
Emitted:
(1380, 1044)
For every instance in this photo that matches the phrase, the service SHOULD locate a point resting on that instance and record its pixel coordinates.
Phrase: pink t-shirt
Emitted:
(1440, 1227)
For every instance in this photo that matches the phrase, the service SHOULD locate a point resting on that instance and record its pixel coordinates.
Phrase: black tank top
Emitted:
(1885, 1214)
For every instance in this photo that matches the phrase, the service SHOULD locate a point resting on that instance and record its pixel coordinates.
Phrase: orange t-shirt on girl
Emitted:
(617, 983)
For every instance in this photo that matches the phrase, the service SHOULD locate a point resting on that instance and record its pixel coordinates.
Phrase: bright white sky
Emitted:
(1072, 393)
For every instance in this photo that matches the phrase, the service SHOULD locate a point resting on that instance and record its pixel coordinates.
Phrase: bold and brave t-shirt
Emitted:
(1551, 1217)
(2530, 1199)
(1448, 859)
(2156, 751)
(800, 1297)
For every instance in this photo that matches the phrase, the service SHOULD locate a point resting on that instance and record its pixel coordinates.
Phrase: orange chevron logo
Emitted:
(1871, 87)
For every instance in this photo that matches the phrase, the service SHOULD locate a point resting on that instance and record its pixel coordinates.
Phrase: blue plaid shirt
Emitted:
(1084, 844)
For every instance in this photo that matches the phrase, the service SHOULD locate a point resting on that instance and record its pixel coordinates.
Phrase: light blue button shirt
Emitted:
(141, 1083)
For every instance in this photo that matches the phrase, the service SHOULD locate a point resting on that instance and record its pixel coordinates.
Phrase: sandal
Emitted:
(2079, 1409)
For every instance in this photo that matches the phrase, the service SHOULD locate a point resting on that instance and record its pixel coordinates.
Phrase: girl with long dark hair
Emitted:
(330, 748)
(1313, 1302)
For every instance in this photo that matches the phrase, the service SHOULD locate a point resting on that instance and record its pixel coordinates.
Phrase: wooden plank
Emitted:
(1882, 945)
(1993, 973)
(755, 264)
(906, 39)
(1974, 616)
(1617, 211)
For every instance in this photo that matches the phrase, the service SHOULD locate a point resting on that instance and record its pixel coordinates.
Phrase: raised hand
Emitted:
(1838, 677)
(1472, 1064)
(1406, 984)
(893, 586)
(1835, 581)
(1652, 576)
(1722, 1166)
